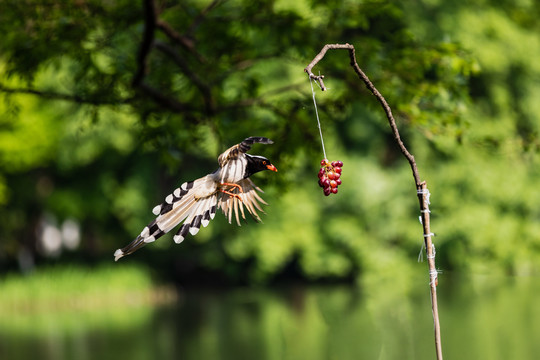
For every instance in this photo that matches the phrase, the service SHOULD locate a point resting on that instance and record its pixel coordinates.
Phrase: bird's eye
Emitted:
(264, 162)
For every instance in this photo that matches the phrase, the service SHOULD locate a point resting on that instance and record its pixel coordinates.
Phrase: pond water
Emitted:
(481, 318)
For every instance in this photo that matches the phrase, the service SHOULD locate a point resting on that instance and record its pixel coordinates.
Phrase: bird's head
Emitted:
(257, 163)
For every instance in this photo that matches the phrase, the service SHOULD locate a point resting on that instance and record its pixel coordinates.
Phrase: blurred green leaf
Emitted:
(80, 140)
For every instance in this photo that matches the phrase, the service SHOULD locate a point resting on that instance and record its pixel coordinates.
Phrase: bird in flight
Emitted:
(195, 203)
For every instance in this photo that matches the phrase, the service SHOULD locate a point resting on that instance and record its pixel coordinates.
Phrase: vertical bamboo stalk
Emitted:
(423, 197)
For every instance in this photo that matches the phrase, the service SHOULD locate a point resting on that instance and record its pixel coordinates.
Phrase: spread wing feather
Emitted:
(236, 151)
(250, 199)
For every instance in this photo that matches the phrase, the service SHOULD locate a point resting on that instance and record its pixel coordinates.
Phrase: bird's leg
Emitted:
(234, 186)
(230, 193)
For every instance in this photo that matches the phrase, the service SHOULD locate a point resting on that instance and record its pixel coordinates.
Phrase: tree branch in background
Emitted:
(197, 21)
(421, 186)
(142, 62)
(185, 41)
(67, 97)
(146, 43)
(164, 100)
(184, 67)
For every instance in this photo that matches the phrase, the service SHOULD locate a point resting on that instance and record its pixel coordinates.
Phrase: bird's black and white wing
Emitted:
(233, 161)
(236, 151)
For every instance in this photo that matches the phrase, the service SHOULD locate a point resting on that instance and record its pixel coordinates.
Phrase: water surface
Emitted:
(481, 318)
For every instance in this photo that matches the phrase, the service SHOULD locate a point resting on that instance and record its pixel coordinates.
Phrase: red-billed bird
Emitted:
(195, 203)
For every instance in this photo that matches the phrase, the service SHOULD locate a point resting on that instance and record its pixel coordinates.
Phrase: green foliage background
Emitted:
(81, 140)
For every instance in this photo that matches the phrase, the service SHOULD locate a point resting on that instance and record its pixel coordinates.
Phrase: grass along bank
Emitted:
(63, 296)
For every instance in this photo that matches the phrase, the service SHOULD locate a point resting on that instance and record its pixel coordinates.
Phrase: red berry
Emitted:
(325, 182)
(334, 190)
(324, 162)
(327, 191)
(338, 181)
(321, 172)
(331, 175)
(337, 169)
(333, 183)
(334, 163)
(337, 176)
(320, 183)
(339, 163)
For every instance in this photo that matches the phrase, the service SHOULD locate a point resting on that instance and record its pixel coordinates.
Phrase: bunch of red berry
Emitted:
(329, 176)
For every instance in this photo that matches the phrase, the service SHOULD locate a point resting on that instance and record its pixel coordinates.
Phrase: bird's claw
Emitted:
(234, 186)
(232, 194)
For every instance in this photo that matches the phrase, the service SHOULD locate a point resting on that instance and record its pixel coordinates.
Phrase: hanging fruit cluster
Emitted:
(330, 176)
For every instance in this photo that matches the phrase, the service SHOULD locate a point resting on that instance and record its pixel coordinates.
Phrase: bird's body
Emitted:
(195, 203)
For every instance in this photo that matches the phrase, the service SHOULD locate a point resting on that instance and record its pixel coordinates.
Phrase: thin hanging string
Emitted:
(317, 114)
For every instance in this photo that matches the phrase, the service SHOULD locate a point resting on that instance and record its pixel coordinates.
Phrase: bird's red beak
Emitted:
(271, 167)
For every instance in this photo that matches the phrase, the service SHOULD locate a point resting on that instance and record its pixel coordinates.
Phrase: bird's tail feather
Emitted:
(180, 211)
(130, 248)
(202, 213)
(191, 203)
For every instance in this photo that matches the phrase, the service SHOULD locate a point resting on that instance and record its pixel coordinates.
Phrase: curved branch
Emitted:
(374, 91)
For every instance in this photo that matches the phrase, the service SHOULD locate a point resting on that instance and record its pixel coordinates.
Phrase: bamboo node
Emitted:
(434, 277)
(424, 192)
(433, 252)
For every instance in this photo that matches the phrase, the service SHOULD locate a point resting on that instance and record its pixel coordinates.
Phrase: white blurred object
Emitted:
(71, 234)
(52, 238)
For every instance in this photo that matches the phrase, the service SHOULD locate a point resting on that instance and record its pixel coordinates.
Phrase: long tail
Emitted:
(194, 203)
